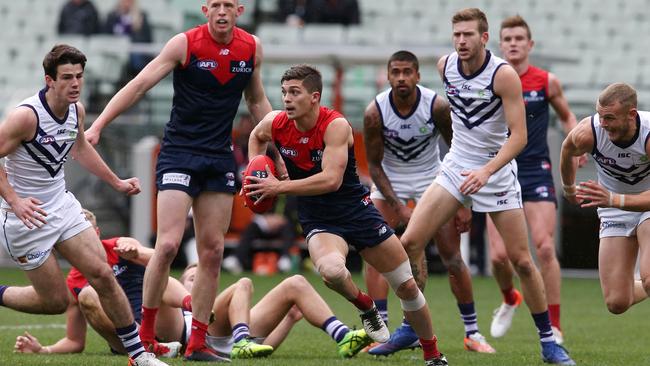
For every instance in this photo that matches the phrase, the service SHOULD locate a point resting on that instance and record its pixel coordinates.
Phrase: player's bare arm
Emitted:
(19, 126)
(87, 156)
(374, 141)
(507, 85)
(256, 100)
(338, 138)
(172, 54)
(578, 142)
(261, 135)
(441, 113)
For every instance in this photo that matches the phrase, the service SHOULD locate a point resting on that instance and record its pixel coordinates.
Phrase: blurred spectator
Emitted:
(298, 12)
(78, 17)
(127, 19)
(281, 223)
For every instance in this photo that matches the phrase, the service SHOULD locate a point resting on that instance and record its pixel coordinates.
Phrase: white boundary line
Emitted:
(32, 326)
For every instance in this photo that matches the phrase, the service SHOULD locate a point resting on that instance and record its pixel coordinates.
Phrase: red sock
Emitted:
(147, 328)
(197, 337)
(509, 296)
(363, 302)
(430, 348)
(187, 303)
(554, 313)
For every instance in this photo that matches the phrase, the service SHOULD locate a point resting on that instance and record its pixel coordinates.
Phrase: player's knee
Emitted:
(297, 283)
(617, 305)
(56, 304)
(546, 253)
(401, 281)
(645, 282)
(454, 264)
(499, 258)
(410, 296)
(524, 266)
(245, 284)
(410, 245)
(101, 277)
(210, 259)
(167, 250)
(332, 271)
(87, 302)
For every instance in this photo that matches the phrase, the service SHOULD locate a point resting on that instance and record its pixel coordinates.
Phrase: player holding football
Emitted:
(334, 209)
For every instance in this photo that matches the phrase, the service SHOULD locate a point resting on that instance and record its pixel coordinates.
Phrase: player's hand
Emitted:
(592, 194)
(475, 180)
(130, 186)
(127, 248)
(281, 169)
(29, 212)
(582, 160)
(463, 219)
(92, 135)
(27, 343)
(571, 196)
(264, 187)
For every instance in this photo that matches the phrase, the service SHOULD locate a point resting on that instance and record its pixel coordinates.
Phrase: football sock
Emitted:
(382, 306)
(130, 340)
(147, 328)
(543, 324)
(468, 315)
(2, 292)
(240, 331)
(509, 296)
(363, 302)
(197, 337)
(430, 348)
(335, 328)
(187, 303)
(554, 313)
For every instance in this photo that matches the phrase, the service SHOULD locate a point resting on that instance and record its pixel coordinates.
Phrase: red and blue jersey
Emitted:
(534, 83)
(129, 275)
(207, 91)
(302, 153)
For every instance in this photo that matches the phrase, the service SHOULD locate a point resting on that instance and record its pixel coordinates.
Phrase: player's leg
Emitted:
(503, 274)
(643, 237)
(172, 209)
(48, 293)
(460, 281)
(391, 260)
(375, 282)
(616, 261)
(212, 212)
(541, 218)
(91, 308)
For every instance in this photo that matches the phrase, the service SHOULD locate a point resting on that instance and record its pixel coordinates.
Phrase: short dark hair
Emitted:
(470, 14)
(404, 56)
(515, 21)
(310, 77)
(62, 54)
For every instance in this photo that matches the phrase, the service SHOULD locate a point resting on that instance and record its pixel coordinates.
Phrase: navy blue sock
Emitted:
(468, 315)
(2, 292)
(543, 324)
(382, 307)
(335, 328)
(130, 340)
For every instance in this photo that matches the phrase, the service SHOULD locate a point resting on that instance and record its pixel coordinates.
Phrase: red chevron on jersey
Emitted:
(224, 61)
(303, 149)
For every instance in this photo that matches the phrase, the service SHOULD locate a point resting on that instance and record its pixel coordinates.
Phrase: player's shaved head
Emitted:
(618, 92)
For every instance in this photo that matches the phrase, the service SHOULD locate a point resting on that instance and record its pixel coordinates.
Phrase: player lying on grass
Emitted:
(272, 318)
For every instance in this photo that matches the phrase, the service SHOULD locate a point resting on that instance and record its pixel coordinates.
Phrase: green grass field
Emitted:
(592, 335)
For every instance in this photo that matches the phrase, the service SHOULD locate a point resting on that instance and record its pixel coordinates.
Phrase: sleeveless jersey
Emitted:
(534, 83)
(302, 153)
(478, 120)
(129, 275)
(207, 90)
(411, 141)
(35, 168)
(622, 168)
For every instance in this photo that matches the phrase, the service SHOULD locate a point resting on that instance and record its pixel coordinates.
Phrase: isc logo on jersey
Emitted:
(206, 64)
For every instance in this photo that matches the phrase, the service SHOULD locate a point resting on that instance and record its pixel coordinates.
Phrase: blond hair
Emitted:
(618, 92)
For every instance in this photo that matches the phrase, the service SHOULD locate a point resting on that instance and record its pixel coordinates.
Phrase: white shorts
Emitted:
(406, 187)
(29, 248)
(501, 193)
(617, 222)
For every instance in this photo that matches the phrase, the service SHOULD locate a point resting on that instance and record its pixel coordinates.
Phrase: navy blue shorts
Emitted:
(194, 174)
(366, 230)
(537, 184)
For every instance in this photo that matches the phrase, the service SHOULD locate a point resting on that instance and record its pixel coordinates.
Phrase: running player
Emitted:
(540, 89)
(334, 209)
(212, 64)
(617, 137)
(486, 101)
(39, 214)
(402, 129)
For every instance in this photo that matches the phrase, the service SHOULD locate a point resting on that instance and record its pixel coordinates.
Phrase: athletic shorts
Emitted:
(616, 222)
(537, 183)
(501, 193)
(194, 174)
(405, 187)
(368, 229)
(29, 248)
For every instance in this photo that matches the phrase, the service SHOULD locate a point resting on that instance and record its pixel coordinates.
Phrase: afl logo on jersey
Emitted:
(288, 152)
(206, 64)
(605, 160)
(451, 90)
(46, 140)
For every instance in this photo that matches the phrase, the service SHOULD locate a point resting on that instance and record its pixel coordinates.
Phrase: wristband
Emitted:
(567, 187)
(622, 200)
(611, 199)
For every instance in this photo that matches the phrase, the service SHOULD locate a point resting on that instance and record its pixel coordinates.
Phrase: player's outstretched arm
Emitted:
(578, 142)
(131, 250)
(19, 126)
(86, 155)
(172, 54)
(73, 342)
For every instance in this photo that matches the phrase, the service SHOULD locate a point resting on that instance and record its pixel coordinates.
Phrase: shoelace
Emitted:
(373, 318)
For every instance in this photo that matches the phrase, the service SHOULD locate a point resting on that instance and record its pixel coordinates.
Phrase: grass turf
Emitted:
(592, 335)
